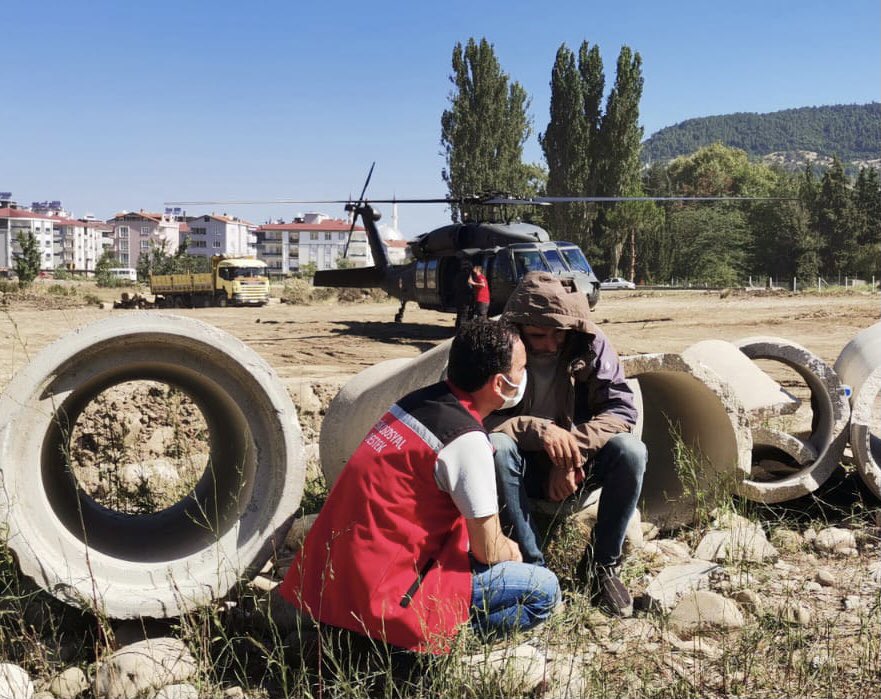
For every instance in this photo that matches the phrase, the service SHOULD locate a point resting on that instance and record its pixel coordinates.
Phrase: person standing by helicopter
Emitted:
(480, 287)
(570, 433)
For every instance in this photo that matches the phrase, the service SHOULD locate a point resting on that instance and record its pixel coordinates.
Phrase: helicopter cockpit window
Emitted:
(555, 260)
(431, 275)
(529, 261)
(501, 270)
(576, 259)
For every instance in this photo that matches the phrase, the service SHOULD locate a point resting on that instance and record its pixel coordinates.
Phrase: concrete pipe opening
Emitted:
(697, 435)
(178, 555)
(794, 455)
(859, 366)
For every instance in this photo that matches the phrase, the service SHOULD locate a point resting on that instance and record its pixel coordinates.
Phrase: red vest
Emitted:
(388, 554)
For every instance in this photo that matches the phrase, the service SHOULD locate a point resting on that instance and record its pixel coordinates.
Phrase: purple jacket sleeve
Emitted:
(604, 403)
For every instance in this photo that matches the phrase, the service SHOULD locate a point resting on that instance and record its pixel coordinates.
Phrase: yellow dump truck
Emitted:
(232, 281)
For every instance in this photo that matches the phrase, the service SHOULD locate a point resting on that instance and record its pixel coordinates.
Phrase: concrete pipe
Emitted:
(697, 433)
(859, 366)
(820, 454)
(365, 398)
(170, 561)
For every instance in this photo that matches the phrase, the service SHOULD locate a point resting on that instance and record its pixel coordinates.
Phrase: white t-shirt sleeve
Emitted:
(465, 470)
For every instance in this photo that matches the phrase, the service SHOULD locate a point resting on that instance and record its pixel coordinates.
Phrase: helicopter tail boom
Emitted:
(357, 278)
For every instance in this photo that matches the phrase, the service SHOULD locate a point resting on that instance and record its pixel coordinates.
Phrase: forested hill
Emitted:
(850, 131)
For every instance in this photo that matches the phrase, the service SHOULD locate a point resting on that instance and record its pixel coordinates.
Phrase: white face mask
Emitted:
(511, 401)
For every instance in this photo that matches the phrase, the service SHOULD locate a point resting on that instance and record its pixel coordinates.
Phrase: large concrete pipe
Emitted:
(697, 433)
(820, 454)
(365, 398)
(159, 564)
(859, 366)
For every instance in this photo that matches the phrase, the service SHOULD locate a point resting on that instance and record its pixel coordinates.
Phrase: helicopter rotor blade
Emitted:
(357, 206)
(491, 201)
(601, 200)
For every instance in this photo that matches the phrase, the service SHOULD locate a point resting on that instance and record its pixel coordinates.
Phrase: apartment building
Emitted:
(136, 232)
(80, 243)
(213, 234)
(14, 221)
(312, 238)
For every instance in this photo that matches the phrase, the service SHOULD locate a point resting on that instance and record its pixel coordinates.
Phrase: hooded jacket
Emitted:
(598, 403)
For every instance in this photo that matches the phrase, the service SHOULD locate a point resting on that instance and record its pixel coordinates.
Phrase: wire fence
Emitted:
(759, 282)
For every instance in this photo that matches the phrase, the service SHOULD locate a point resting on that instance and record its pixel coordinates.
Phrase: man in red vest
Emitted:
(408, 546)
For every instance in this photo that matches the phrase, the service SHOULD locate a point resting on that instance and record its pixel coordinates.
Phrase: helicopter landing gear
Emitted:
(399, 316)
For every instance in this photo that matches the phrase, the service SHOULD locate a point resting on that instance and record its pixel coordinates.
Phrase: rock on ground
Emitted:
(835, 540)
(147, 665)
(69, 684)
(15, 683)
(177, 691)
(668, 586)
(702, 610)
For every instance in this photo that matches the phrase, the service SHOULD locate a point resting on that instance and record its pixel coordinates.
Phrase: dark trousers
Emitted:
(618, 468)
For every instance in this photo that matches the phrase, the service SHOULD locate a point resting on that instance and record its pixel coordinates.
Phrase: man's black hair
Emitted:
(481, 349)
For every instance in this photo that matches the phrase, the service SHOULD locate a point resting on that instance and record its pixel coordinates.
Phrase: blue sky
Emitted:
(114, 105)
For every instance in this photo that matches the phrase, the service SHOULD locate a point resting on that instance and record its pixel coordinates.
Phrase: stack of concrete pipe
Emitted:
(710, 406)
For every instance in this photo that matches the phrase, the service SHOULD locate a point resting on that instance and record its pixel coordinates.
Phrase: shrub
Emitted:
(297, 292)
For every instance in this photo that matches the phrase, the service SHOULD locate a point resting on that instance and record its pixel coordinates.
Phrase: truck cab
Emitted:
(240, 280)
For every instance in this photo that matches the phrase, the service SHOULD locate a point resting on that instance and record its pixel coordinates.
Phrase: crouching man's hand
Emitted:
(563, 483)
(562, 447)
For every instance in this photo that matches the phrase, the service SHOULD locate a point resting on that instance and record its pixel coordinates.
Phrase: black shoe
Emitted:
(609, 593)
(605, 588)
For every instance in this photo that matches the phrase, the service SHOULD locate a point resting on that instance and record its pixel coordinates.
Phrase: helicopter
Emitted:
(443, 257)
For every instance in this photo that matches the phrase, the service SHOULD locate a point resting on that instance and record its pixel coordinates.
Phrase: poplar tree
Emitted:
(566, 149)
(617, 166)
(593, 81)
(483, 131)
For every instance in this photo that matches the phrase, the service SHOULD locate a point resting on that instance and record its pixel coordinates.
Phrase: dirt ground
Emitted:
(330, 342)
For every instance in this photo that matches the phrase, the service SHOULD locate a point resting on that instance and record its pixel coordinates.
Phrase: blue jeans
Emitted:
(618, 468)
(509, 596)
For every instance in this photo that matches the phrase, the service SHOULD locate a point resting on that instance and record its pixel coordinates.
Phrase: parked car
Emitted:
(617, 283)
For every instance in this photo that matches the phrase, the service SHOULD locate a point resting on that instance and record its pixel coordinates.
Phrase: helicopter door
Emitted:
(453, 281)
(427, 283)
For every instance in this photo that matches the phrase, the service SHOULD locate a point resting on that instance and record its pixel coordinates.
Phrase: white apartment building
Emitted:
(219, 235)
(312, 238)
(14, 221)
(79, 243)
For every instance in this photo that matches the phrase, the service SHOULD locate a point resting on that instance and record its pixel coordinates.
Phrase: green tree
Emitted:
(105, 263)
(618, 167)
(593, 82)
(483, 131)
(716, 171)
(157, 260)
(836, 223)
(712, 244)
(27, 259)
(867, 204)
(566, 149)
